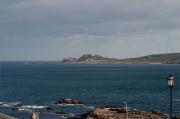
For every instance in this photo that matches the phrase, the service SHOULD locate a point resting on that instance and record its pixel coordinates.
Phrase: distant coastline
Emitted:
(168, 58)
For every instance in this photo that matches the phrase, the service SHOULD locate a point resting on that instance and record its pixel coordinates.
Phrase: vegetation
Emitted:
(169, 58)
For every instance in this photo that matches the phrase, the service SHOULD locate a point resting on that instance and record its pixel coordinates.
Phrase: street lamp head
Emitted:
(171, 79)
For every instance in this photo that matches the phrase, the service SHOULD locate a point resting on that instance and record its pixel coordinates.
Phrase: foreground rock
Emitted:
(121, 114)
(34, 115)
(69, 101)
(176, 117)
(3, 116)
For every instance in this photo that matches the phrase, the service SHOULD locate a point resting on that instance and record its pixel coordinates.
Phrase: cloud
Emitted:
(93, 25)
(54, 17)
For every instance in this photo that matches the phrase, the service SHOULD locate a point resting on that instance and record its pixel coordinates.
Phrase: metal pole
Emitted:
(170, 111)
(126, 109)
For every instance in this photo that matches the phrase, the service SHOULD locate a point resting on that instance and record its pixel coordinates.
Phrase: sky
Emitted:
(55, 29)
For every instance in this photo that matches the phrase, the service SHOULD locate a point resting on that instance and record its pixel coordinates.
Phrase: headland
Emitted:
(169, 58)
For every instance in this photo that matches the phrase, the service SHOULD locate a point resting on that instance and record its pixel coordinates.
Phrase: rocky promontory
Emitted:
(108, 113)
(87, 59)
(69, 101)
(169, 58)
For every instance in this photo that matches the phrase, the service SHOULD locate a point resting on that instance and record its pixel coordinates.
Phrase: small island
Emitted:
(168, 58)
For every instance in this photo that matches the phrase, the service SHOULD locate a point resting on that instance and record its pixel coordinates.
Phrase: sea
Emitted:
(37, 85)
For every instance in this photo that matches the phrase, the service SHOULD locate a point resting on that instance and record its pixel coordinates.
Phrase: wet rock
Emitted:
(14, 108)
(121, 111)
(156, 112)
(18, 105)
(176, 117)
(60, 112)
(68, 101)
(76, 117)
(35, 115)
(49, 108)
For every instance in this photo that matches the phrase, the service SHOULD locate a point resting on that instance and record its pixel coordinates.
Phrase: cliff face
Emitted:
(69, 60)
(87, 59)
(90, 57)
(170, 58)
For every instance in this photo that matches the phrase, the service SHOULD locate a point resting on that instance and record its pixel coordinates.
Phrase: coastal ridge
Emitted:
(168, 58)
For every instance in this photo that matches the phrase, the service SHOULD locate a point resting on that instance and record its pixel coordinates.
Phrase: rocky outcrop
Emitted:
(87, 59)
(69, 101)
(169, 58)
(4, 116)
(69, 60)
(176, 117)
(90, 57)
(107, 113)
(34, 115)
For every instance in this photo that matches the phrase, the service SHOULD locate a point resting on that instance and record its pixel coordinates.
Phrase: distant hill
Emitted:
(169, 58)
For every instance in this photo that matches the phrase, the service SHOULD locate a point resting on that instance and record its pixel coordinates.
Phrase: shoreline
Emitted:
(102, 112)
(121, 113)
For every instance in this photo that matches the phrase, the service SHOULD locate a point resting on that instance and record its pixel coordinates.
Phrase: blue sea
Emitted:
(143, 87)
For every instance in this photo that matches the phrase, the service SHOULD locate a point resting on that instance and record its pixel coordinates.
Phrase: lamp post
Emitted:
(170, 80)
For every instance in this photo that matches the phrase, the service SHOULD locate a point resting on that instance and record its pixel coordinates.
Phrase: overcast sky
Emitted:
(54, 29)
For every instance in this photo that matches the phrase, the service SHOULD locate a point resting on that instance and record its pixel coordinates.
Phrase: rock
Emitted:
(176, 117)
(60, 112)
(68, 101)
(14, 109)
(130, 114)
(49, 108)
(34, 115)
(85, 58)
(18, 105)
(121, 111)
(156, 112)
(69, 60)
(76, 117)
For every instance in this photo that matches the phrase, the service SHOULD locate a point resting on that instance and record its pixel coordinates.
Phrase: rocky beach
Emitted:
(109, 113)
(99, 113)
(106, 112)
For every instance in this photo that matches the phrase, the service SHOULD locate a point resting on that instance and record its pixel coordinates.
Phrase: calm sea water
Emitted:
(41, 83)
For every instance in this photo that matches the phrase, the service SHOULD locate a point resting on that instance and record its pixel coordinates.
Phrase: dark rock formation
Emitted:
(60, 112)
(156, 112)
(117, 114)
(85, 58)
(18, 105)
(176, 117)
(69, 60)
(68, 101)
(49, 108)
(88, 58)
